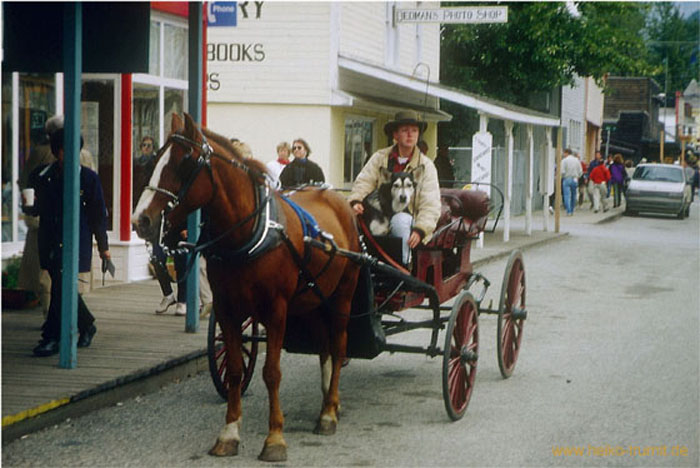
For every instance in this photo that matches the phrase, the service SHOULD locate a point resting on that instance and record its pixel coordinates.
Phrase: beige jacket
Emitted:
(426, 202)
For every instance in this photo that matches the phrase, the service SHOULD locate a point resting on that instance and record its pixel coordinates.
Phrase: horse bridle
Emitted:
(206, 153)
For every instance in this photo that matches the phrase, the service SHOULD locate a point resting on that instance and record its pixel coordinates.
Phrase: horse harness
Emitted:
(269, 230)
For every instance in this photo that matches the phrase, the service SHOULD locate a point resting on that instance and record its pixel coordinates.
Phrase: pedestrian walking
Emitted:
(598, 186)
(47, 181)
(617, 179)
(570, 172)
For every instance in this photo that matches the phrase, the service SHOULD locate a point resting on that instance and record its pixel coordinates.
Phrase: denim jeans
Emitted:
(570, 192)
(401, 227)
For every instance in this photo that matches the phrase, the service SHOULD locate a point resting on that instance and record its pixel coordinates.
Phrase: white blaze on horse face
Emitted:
(147, 195)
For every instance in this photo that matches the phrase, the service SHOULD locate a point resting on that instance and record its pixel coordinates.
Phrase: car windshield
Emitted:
(658, 173)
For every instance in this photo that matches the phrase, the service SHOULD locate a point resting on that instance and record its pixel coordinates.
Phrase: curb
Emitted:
(143, 381)
(497, 256)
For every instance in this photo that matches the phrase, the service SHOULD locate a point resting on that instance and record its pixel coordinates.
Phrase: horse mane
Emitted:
(259, 169)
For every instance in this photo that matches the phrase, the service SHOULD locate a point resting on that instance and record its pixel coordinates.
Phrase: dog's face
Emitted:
(402, 189)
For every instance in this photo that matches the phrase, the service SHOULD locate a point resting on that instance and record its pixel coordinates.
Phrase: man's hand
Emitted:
(359, 209)
(105, 255)
(414, 240)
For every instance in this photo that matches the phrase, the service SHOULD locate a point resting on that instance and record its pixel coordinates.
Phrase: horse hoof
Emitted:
(325, 426)
(222, 448)
(273, 453)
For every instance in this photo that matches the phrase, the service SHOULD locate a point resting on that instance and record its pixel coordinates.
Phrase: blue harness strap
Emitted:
(308, 223)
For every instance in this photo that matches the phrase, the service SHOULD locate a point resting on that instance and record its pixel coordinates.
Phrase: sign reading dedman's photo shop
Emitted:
(267, 51)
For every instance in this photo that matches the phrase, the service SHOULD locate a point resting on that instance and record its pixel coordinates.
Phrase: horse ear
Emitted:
(190, 125)
(176, 123)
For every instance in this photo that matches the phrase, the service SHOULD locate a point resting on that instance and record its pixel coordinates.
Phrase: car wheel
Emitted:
(629, 212)
(687, 211)
(681, 214)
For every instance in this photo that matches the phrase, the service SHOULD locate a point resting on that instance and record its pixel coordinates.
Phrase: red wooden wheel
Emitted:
(460, 355)
(511, 314)
(218, 357)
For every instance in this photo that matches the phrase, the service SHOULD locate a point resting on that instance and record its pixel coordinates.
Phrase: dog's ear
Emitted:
(384, 175)
(418, 173)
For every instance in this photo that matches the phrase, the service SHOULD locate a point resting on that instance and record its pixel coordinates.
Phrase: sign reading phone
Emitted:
(221, 14)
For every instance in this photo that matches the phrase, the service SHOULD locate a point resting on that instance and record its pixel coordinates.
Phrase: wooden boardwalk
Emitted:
(131, 342)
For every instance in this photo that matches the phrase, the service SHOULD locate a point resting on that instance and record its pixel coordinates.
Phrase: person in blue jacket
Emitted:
(47, 181)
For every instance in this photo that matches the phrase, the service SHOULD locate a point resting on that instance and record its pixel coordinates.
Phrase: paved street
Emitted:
(608, 375)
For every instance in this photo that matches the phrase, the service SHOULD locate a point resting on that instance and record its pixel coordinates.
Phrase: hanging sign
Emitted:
(481, 160)
(464, 15)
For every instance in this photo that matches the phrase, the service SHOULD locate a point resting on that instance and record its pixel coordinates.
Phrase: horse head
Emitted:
(178, 185)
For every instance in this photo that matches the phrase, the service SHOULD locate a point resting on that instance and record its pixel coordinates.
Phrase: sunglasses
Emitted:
(297, 147)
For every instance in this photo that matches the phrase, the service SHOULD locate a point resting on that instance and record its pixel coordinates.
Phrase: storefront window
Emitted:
(145, 135)
(37, 100)
(176, 52)
(174, 104)
(154, 49)
(358, 146)
(6, 157)
(97, 129)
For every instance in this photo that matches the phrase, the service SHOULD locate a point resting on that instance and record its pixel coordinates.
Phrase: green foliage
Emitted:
(10, 273)
(675, 41)
(544, 46)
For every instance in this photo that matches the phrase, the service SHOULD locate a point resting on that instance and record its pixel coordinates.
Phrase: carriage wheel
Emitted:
(218, 357)
(460, 355)
(511, 314)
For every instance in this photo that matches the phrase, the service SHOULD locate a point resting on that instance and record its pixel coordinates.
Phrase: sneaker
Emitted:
(166, 302)
(181, 309)
(551, 210)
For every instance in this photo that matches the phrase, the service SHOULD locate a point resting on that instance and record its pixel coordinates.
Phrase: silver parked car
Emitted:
(658, 188)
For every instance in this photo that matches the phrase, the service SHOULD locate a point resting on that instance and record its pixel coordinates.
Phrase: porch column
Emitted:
(483, 128)
(72, 66)
(547, 177)
(528, 181)
(194, 96)
(508, 181)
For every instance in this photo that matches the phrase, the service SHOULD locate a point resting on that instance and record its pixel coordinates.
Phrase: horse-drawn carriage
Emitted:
(313, 287)
(442, 271)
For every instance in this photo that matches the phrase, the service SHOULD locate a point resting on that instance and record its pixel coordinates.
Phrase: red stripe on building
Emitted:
(175, 8)
(125, 178)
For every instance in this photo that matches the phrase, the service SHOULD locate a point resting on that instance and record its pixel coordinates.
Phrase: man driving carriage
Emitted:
(404, 156)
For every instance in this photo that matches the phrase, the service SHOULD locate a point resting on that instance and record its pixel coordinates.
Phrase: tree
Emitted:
(673, 47)
(541, 47)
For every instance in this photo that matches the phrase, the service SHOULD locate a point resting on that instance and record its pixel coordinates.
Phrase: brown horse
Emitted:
(199, 169)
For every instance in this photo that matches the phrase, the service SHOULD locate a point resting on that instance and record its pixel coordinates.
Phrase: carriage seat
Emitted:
(464, 214)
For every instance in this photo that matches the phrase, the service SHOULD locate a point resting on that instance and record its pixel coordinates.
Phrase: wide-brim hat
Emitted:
(405, 117)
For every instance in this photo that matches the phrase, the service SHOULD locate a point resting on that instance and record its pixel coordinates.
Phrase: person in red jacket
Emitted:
(598, 186)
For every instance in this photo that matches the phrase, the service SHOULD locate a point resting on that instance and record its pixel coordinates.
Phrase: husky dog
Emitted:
(394, 195)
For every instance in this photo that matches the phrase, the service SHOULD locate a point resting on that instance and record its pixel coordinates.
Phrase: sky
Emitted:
(688, 8)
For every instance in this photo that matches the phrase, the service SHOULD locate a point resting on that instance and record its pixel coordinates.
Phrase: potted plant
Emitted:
(12, 296)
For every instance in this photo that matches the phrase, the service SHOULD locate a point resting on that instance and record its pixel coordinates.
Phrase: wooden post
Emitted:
(528, 180)
(557, 187)
(508, 180)
(546, 173)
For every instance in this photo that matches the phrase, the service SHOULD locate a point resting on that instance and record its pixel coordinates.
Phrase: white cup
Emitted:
(28, 195)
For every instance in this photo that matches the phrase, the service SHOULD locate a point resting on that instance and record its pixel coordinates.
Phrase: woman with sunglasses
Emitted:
(301, 171)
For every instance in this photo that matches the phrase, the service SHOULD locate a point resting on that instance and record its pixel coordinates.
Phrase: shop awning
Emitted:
(375, 82)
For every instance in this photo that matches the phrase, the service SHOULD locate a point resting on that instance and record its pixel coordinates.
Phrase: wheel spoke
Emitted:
(222, 366)
(219, 352)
